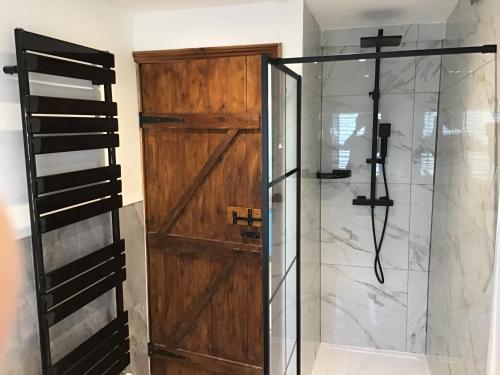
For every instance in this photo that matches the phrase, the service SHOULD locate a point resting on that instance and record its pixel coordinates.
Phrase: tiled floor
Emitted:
(343, 360)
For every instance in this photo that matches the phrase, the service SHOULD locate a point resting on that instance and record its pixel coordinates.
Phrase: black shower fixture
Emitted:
(382, 131)
(381, 41)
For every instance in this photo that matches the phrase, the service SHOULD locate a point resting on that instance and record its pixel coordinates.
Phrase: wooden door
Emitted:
(202, 164)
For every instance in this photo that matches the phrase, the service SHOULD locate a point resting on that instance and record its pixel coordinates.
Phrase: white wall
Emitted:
(91, 23)
(263, 22)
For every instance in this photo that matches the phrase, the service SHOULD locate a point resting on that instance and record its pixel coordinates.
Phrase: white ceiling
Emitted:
(157, 5)
(335, 14)
(331, 14)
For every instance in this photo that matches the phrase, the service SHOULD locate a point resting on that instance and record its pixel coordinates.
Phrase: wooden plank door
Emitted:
(202, 179)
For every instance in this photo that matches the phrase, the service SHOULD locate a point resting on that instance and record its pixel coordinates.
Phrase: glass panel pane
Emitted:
(292, 363)
(291, 123)
(276, 129)
(277, 333)
(277, 234)
(282, 219)
(291, 310)
(291, 220)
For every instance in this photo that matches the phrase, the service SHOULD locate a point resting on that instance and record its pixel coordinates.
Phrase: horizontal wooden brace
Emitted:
(201, 246)
(201, 121)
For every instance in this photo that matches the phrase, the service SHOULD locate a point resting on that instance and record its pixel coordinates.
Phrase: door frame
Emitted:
(270, 50)
(266, 63)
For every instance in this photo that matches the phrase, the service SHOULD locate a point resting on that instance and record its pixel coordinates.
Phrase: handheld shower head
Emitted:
(384, 132)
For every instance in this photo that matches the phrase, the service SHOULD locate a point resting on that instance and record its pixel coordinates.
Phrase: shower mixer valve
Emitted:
(384, 132)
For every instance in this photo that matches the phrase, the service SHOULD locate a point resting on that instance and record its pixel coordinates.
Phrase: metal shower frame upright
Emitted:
(280, 63)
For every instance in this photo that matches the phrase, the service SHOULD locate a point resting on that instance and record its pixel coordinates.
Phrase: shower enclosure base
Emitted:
(346, 360)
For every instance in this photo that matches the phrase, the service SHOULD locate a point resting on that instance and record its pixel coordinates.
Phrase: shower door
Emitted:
(281, 184)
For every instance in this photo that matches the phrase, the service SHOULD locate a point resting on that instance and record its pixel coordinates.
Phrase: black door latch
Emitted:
(250, 234)
(250, 219)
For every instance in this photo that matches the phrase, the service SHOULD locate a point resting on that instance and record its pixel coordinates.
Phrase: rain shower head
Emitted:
(381, 41)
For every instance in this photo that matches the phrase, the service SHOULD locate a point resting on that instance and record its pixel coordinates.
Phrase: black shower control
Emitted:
(381, 202)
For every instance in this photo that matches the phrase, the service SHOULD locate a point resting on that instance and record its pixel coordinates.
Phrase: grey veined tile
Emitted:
(397, 76)
(428, 69)
(420, 226)
(424, 138)
(347, 131)
(417, 312)
(356, 310)
(346, 230)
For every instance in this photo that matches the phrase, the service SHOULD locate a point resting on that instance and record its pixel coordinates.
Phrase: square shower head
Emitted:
(381, 41)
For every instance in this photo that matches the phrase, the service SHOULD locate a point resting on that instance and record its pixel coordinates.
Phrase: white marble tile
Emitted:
(292, 363)
(344, 360)
(277, 255)
(459, 321)
(428, 69)
(347, 229)
(311, 133)
(310, 221)
(310, 300)
(457, 67)
(291, 311)
(424, 138)
(431, 31)
(310, 314)
(310, 200)
(277, 124)
(278, 332)
(460, 283)
(291, 220)
(348, 77)
(351, 37)
(357, 77)
(397, 76)
(417, 312)
(356, 310)
(420, 227)
(347, 124)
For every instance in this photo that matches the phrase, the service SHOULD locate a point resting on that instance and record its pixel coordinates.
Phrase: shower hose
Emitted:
(379, 271)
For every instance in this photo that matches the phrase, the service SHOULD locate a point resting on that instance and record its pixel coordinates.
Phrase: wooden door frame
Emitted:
(273, 50)
(169, 55)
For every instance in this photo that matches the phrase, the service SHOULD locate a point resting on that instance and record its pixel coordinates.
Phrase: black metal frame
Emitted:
(62, 199)
(374, 160)
(489, 48)
(266, 62)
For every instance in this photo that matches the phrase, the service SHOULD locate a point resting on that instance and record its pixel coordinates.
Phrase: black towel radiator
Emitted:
(57, 125)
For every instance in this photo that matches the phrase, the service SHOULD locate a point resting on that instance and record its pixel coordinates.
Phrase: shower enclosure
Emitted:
(431, 154)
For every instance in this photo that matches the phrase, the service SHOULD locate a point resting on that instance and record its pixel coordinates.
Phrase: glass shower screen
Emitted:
(281, 175)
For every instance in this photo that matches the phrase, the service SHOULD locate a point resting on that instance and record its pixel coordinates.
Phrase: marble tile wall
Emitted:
(310, 208)
(355, 309)
(465, 201)
(22, 353)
